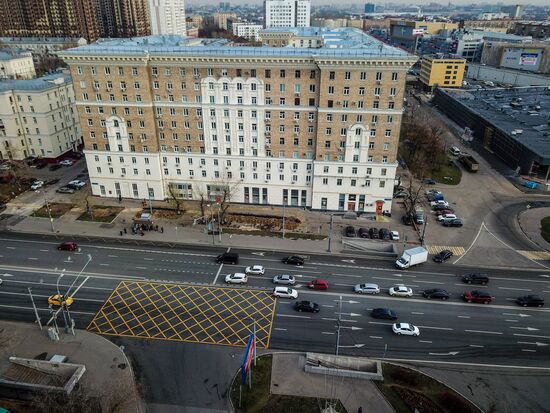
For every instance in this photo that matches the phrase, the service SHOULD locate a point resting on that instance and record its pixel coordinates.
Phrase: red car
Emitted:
(444, 212)
(477, 297)
(68, 246)
(318, 285)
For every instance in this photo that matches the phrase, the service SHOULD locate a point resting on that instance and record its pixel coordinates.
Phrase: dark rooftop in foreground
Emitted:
(522, 113)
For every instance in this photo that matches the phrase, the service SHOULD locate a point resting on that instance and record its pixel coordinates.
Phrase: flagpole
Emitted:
(254, 342)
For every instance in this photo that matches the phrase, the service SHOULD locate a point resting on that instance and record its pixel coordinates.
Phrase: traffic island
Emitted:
(409, 390)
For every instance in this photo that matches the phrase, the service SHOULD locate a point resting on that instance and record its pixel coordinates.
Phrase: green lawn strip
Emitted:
(259, 400)
(408, 389)
(56, 210)
(545, 228)
(263, 233)
(448, 169)
(101, 213)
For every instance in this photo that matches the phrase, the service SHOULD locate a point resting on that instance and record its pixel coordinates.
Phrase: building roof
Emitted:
(523, 113)
(498, 36)
(38, 84)
(42, 40)
(342, 42)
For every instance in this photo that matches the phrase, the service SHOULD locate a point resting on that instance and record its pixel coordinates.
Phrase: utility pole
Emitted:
(284, 205)
(423, 232)
(219, 223)
(339, 325)
(330, 232)
(212, 224)
(35, 310)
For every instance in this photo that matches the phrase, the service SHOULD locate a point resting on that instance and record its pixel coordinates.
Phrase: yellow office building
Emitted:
(442, 70)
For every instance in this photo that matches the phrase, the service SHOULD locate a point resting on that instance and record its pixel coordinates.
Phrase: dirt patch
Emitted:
(100, 213)
(278, 234)
(262, 222)
(54, 210)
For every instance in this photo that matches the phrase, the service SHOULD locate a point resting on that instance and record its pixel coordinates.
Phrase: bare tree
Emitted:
(228, 191)
(174, 197)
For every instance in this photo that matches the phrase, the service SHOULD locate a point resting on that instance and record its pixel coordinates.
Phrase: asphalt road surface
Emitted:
(164, 283)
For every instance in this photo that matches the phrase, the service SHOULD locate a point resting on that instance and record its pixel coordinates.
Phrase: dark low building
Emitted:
(512, 123)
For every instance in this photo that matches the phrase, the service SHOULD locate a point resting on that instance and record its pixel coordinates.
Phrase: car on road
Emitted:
(76, 184)
(363, 233)
(446, 217)
(65, 190)
(293, 260)
(394, 235)
(384, 233)
(405, 329)
(443, 256)
(55, 167)
(236, 278)
(530, 300)
(453, 223)
(66, 162)
(366, 288)
(436, 293)
(284, 279)
(37, 185)
(374, 233)
(476, 296)
(60, 300)
(384, 313)
(307, 306)
(349, 231)
(285, 292)
(439, 202)
(228, 258)
(68, 246)
(475, 278)
(318, 285)
(401, 290)
(255, 270)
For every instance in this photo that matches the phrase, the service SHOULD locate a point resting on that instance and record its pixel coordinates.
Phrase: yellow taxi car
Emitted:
(59, 300)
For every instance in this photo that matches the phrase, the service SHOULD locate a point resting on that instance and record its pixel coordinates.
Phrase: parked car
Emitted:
(443, 256)
(401, 194)
(363, 233)
(475, 278)
(255, 270)
(374, 234)
(284, 279)
(349, 231)
(384, 313)
(445, 217)
(394, 235)
(477, 297)
(406, 329)
(384, 233)
(433, 191)
(444, 211)
(51, 181)
(401, 291)
(439, 202)
(55, 167)
(366, 288)
(285, 292)
(65, 190)
(37, 185)
(318, 284)
(66, 162)
(236, 278)
(293, 260)
(453, 223)
(530, 301)
(307, 306)
(77, 184)
(67, 246)
(430, 181)
(407, 220)
(41, 165)
(436, 293)
(442, 208)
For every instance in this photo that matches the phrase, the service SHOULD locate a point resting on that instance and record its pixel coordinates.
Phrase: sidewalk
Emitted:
(530, 224)
(108, 374)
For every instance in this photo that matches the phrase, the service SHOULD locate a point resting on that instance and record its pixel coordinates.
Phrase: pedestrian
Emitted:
(125, 230)
(156, 228)
(162, 230)
(121, 233)
(119, 198)
(360, 410)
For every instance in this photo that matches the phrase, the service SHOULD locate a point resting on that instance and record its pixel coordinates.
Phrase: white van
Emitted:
(454, 151)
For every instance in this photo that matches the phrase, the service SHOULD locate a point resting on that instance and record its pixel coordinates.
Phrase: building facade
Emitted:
(15, 64)
(38, 117)
(247, 30)
(167, 17)
(533, 57)
(221, 19)
(316, 128)
(287, 13)
(444, 71)
(536, 29)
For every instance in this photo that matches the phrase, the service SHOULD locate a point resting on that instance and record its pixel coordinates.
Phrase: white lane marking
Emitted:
(527, 350)
(217, 274)
(385, 278)
(512, 321)
(458, 363)
(517, 314)
(425, 341)
(292, 316)
(279, 329)
(327, 305)
(284, 302)
(525, 328)
(429, 282)
(472, 244)
(327, 332)
(44, 250)
(436, 328)
(17, 307)
(344, 285)
(43, 272)
(112, 256)
(46, 296)
(417, 313)
(348, 275)
(376, 337)
(32, 258)
(515, 289)
(476, 345)
(534, 344)
(104, 264)
(328, 319)
(380, 323)
(141, 268)
(544, 291)
(477, 286)
(483, 332)
(463, 316)
(531, 335)
(53, 285)
(148, 259)
(10, 248)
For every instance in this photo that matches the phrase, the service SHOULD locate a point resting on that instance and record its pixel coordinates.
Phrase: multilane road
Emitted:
(148, 305)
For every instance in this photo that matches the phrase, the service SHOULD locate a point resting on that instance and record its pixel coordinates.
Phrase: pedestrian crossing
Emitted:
(434, 249)
(536, 255)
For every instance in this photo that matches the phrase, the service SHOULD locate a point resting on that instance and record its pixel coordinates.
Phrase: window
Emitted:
(339, 182)
(394, 76)
(378, 76)
(282, 73)
(382, 184)
(362, 75)
(332, 75)
(387, 133)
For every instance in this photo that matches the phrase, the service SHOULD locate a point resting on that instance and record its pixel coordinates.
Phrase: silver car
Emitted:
(284, 279)
(367, 289)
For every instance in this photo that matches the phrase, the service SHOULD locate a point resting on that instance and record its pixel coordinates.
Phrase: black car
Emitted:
(374, 234)
(52, 181)
(228, 258)
(41, 165)
(384, 313)
(430, 181)
(349, 231)
(55, 167)
(439, 207)
(453, 223)
(384, 233)
(436, 293)
(475, 278)
(443, 256)
(307, 306)
(293, 260)
(530, 301)
(363, 233)
(407, 220)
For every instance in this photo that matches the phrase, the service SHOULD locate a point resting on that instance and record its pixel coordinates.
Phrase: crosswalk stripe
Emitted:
(434, 249)
(536, 255)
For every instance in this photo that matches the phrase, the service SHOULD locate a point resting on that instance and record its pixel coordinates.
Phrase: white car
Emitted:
(446, 217)
(401, 291)
(394, 235)
(366, 289)
(77, 183)
(66, 162)
(284, 279)
(255, 270)
(37, 185)
(406, 329)
(433, 191)
(285, 292)
(440, 202)
(237, 278)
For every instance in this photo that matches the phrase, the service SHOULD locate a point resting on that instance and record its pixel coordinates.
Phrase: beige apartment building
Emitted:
(316, 128)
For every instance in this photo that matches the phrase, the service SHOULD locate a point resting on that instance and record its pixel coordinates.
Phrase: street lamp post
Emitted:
(49, 210)
(330, 232)
(219, 223)
(284, 207)
(212, 223)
